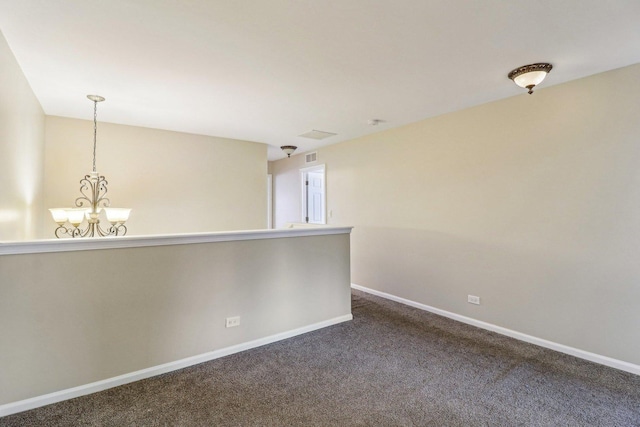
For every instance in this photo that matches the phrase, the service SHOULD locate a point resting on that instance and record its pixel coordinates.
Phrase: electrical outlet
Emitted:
(472, 299)
(233, 321)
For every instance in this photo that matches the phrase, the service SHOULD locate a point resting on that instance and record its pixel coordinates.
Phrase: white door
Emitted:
(315, 195)
(314, 198)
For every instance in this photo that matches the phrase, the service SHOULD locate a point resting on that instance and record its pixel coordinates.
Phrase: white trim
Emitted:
(67, 245)
(70, 393)
(582, 354)
(269, 201)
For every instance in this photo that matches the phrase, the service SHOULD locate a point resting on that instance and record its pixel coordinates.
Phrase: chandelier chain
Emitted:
(95, 131)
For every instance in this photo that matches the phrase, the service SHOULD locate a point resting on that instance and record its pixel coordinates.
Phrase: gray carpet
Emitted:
(391, 366)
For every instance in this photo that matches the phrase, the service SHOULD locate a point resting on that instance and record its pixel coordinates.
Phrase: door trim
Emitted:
(269, 201)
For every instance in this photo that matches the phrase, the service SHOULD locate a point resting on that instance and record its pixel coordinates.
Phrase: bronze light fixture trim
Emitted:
(529, 76)
(289, 149)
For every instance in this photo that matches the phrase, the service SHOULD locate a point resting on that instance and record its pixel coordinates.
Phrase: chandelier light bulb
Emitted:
(59, 215)
(76, 216)
(117, 215)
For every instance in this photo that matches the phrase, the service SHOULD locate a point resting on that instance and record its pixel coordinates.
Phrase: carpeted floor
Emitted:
(391, 366)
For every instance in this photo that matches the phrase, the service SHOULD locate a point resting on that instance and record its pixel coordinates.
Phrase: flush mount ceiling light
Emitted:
(289, 149)
(529, 76)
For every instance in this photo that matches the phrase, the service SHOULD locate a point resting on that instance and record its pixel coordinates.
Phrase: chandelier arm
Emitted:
(102, 232)
(113, 230)
(120, 230)
(87, 231)
(61, 231)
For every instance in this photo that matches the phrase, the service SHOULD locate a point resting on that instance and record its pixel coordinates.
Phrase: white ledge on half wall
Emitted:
(67, 245)
(302, 225)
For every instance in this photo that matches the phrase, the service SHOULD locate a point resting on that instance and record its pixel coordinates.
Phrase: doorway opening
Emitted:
(314, 197)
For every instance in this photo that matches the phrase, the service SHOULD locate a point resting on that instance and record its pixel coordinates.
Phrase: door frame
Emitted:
(269, 201)
(303, 175)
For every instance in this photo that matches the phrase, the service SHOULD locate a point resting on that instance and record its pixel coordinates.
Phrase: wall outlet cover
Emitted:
(232, 321)
(472, 299)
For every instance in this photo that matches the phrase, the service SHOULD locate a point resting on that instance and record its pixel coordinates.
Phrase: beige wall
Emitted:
(21, 152)
(531, 203)
(175, 182)
(72, 318)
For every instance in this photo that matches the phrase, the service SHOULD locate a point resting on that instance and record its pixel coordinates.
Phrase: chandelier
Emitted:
(93, 200)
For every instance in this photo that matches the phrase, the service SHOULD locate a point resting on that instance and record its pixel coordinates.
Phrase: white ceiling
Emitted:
(269, 70)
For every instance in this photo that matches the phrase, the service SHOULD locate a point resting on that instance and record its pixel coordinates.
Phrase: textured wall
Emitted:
(530, 203)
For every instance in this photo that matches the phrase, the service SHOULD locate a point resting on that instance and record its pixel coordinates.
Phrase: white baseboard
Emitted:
(58, 396)
(597, 358)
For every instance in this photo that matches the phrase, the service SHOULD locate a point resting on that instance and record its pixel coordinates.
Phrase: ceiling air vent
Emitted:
(311, 157)
(317, 134)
